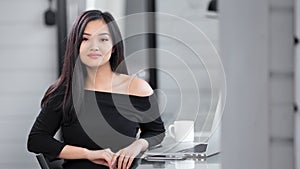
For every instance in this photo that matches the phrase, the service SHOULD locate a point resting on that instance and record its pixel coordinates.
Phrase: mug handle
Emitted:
(171, 130)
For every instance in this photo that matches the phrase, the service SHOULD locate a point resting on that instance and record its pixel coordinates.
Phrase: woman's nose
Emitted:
(95, 46)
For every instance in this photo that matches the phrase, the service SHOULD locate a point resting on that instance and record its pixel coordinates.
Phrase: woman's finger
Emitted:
(103, 162)
(107, 157)
(120, 161)
(130, 161)
(125, 161)
(114, 159)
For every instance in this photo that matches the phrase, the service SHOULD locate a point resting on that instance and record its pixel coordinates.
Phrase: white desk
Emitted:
(213, 162)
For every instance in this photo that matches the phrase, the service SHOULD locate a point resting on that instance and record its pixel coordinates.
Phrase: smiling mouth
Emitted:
(94, 55)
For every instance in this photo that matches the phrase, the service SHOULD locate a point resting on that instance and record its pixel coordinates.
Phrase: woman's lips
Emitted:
(94, 55)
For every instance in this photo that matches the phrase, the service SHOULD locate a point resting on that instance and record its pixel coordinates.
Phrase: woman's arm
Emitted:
(73, 152)
(40, 139)
(126, 155)
(103, 157)
(152, 127)
(153, 132)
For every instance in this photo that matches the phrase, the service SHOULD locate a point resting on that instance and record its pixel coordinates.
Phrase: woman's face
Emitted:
(96, 46)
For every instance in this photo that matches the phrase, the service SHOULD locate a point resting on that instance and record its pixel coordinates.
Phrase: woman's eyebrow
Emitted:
(87, 34)
(105, 33)
(100, 34)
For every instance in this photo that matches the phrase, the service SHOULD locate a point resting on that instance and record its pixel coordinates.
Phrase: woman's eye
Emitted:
(104, 39)
(85, 39)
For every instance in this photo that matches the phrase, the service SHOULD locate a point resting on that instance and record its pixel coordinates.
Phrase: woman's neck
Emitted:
(99, 79)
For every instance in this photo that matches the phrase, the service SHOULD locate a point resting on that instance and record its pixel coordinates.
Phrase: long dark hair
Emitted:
(71, 80)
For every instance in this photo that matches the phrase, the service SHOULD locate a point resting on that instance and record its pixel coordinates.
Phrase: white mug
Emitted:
(182, 130)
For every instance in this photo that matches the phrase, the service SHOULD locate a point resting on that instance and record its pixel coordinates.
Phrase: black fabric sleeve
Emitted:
(153, 132)
(152, 129)
(40, 139)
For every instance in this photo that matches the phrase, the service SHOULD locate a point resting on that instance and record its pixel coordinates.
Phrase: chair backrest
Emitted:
(42, 161)
(46, 164)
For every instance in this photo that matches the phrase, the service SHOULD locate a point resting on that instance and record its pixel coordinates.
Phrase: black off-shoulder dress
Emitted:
(107, 120)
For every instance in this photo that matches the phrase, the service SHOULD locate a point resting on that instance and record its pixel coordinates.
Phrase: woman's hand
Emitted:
(124, 157)
(103, 157)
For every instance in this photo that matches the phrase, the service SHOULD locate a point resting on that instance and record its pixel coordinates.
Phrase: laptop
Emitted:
(170, 150)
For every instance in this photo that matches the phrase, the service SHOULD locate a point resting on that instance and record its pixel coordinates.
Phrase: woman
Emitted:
(94, 73)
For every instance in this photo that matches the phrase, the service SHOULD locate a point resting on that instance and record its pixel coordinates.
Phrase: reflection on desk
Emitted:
(190, 163)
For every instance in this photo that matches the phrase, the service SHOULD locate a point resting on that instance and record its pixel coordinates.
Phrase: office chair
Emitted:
(46, 164)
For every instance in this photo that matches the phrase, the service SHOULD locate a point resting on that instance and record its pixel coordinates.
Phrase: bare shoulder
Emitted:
(133, 86)
(138, 87)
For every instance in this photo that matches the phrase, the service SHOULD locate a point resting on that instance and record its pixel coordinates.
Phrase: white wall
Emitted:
(183, 28)
(297, 84)
(27, 67)
(257, 47)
